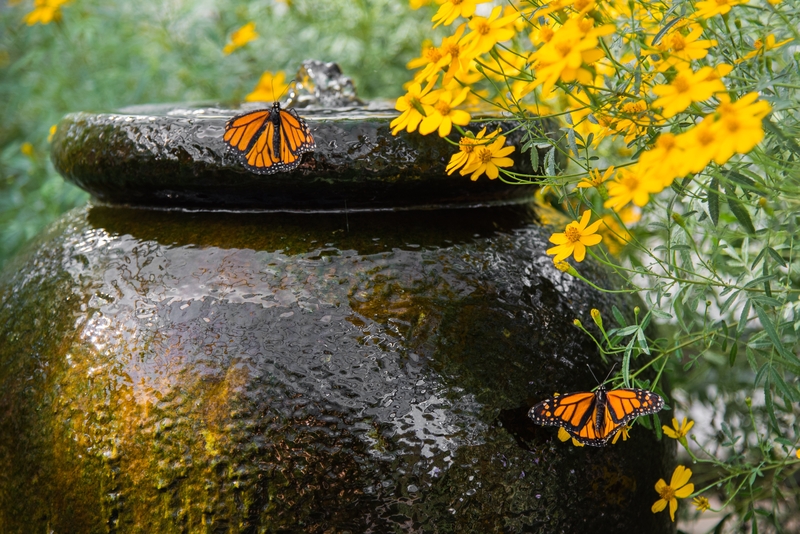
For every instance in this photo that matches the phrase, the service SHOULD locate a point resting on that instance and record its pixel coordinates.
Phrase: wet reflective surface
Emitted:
(165, 371)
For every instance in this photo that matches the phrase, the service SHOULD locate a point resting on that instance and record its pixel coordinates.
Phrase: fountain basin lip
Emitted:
(173, 155)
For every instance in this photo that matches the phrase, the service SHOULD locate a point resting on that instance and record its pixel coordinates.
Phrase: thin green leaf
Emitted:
(741, 213)
(713, 201)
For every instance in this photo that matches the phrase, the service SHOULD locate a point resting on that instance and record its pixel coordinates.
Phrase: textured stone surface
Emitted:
(363, 372)
(175, 156)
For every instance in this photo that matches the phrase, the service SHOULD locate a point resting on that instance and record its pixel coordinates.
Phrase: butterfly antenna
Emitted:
(594, 375)
(282, 92)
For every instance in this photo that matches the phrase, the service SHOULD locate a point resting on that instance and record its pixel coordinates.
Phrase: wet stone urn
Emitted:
(348, 347)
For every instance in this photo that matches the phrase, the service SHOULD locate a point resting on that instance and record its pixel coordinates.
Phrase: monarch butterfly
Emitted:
(269, 140)
(593, 418)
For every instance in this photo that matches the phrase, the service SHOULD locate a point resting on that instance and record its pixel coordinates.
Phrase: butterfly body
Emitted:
(269, 140)
(592, 418)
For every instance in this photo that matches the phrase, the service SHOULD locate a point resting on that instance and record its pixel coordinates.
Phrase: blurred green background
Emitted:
(100, 55)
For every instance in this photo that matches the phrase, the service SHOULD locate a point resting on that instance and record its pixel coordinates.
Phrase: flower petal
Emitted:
(659, 505)
(685, 491)
(680, 477)
(584, 220)
(580, 251)
(590, 240)
(558, 239)
(673, 505)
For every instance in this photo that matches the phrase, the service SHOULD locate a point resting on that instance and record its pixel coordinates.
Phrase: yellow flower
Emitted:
(595, 179)
(52, 133)
(432, 59)
(677, 489)
(739, 126)
(798, 453)
(489, 158)
(630, 185)
(708, 8)
(701, 503)
(664, 162)
(466, 149)
(576, 237)
(624, 432)
(241, 37)
(269, 87)
(443, 115)
(27, 149)
(700, 144)
(487, 32)
(44, 12)
(563, 435)
(678, 431)
(566, 56)
(416, 4)
(450, 10)
(761, 47)
(414, 106)
(683, 48)
(686, 87)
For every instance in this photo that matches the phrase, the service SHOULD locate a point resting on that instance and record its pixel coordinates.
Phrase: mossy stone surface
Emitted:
(163, 371)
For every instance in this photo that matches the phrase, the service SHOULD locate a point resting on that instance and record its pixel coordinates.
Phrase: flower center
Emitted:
(483, 28)
(705, 137)
(456, 2)
(681, 84)
(573, 234)
(563, 48)
(453, 49)
(442, 107)
(546, 33)
(634, 107)
(580, 4)
(631, 182)
(732, 125)
(722, 2)
(667, 493)
(678, 42)
(666, 141)
(433, 54)
(484, 155)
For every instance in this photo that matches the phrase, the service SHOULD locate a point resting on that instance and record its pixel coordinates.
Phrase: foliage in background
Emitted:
(680, 127)
(87, 55)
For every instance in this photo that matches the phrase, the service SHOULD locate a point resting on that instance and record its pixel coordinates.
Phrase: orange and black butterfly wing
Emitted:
(242, 130)
(295, 138)
(623, 405)
(571, 411)
(269, 140)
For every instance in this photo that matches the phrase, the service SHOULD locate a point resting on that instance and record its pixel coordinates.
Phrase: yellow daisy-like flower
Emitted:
(414, 106)
(630, 185)
(487, 32)
(624, 432)
(761, 47)
(563, 435)
(701, 503)
(739, 126)
(664, 162)
(52, 133)
(566, 56)
(241, 37)
(269, 87)
(442, 115)
(678, 488)
(595, 179)
(708, 8)
(678, 431)
(700, 145)
(679, 48)
(686, 87)
(466, 149)
(489, 158)
(44, 12)
(575, 238)
(450, 10)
